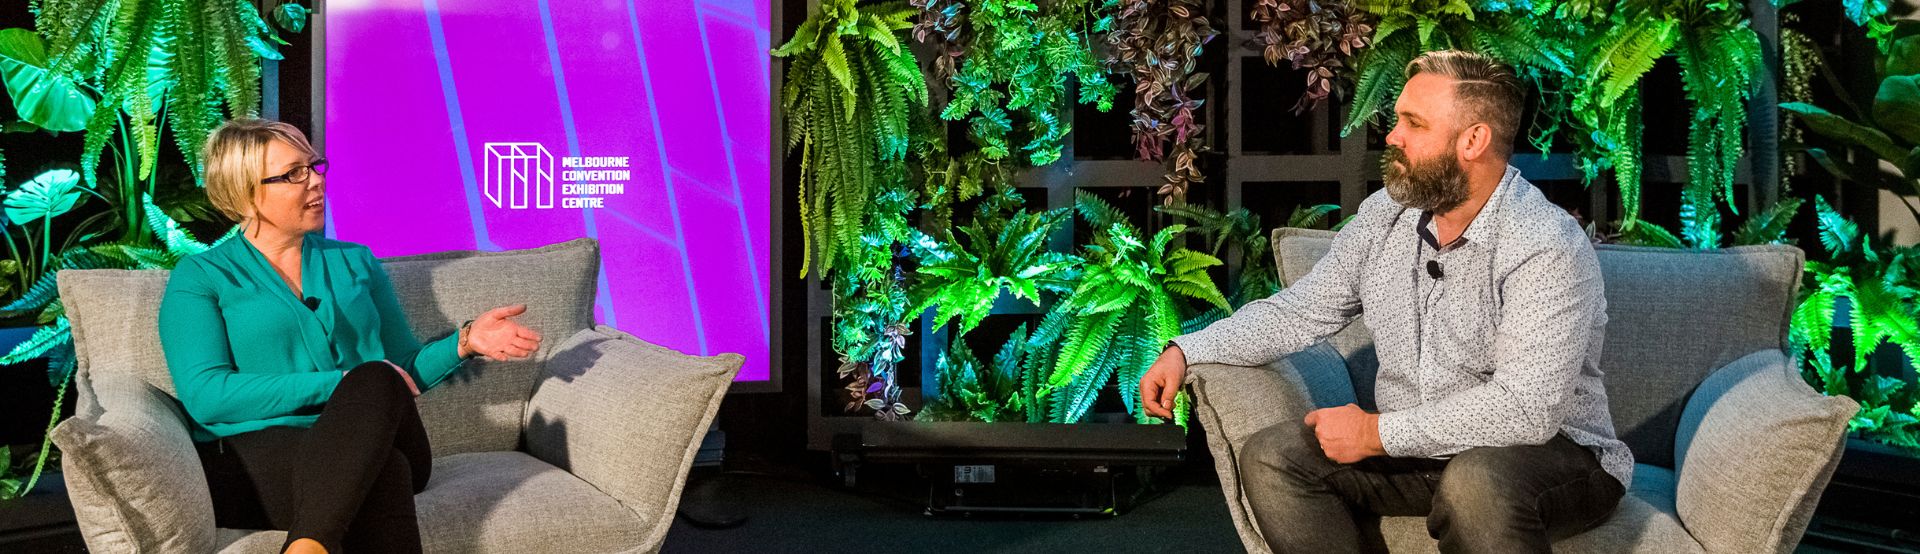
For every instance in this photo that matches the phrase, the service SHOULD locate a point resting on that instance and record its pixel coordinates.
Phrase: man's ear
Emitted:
(1475, 142)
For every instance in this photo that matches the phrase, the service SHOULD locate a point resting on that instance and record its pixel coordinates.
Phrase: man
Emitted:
(1485, 304)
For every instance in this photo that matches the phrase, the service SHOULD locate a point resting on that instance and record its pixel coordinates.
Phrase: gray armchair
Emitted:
(583, 448)
(1732, 447)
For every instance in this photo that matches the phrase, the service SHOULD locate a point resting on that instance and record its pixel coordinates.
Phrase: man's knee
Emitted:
(1286, 448)
(1477, 488)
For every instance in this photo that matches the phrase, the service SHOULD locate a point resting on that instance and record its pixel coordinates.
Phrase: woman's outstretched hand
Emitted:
(498, 337)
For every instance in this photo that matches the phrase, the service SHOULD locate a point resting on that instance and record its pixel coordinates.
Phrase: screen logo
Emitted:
(520, 175)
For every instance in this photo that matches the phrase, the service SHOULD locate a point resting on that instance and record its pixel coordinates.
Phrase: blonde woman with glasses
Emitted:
(292, 357)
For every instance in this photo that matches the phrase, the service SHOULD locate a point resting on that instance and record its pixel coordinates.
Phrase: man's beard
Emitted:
(1438, 184)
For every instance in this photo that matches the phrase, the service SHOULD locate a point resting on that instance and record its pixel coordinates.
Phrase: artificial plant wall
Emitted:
(891, 159)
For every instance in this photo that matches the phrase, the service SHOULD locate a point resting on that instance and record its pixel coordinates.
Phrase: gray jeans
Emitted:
(1492, 499)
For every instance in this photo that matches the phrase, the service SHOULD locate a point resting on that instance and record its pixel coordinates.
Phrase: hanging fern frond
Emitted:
(194, 56)
(852, 95)
(1012, 83)
(1627, 52)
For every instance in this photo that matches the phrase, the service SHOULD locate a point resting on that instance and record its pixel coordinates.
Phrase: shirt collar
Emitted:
(1480, 227)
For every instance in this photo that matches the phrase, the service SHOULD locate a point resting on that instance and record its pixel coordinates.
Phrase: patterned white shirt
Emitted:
(1502, 349)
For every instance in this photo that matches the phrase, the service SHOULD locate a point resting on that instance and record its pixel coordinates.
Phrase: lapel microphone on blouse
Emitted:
(313, 303)
(1433, 270)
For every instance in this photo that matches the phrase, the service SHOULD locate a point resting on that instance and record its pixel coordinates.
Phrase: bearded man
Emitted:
(1485, 304)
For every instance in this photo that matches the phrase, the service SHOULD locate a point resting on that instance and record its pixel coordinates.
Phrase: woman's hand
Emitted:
(498, 337)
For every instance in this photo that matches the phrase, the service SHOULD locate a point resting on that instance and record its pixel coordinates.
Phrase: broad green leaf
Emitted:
(48, 195)
(1839, 128)
(53, 101)
(1903, 57)
(1861, 11)
(1897, 108)
(291, 16)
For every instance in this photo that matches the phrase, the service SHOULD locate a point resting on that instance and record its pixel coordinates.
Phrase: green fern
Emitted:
(851, 98)
(1625, 54)
(1015, 73)
(36, 297)
(1883, 287)
(44, 339)
(1111, 327)
(964, 279)
(1770, 226)
(1648, 234)
(188, 59)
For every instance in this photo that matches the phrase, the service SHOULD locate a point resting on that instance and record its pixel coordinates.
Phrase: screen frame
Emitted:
(776, 370)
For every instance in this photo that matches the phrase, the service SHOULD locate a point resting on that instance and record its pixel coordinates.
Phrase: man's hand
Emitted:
(1347, 434)
(1162, 382)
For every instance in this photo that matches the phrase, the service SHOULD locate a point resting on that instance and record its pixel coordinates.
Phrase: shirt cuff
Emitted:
(1402, 436)
(1195, 347)
(443, 356)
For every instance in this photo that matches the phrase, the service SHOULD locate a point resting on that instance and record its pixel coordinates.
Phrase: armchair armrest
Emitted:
(132, 473)
(1232, 403)
(627, 416)
(1754, 449)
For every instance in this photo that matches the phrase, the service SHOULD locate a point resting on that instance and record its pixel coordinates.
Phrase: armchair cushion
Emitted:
(1232, 403)
(479, 408)
(512, 503)
(497, 502)
(627, 417)
(132, 472)
(115, 318)
(1755, 447)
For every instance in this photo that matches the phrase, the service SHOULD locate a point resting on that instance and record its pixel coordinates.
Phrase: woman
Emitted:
(296, 363)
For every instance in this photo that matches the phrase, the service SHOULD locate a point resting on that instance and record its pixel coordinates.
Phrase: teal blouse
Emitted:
(246, 354)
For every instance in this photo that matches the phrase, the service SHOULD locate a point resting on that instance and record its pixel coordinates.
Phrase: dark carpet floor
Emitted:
(806, 514)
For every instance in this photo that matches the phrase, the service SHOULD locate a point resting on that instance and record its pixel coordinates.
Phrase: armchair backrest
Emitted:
(1673, 317)
(482, 407)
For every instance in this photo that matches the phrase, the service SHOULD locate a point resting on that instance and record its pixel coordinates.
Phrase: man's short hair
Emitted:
(1487, 88)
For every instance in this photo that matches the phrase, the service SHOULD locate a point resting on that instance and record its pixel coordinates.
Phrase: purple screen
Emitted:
(501, 124)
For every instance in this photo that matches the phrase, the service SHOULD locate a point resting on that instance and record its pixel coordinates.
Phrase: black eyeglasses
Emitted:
(299, 174)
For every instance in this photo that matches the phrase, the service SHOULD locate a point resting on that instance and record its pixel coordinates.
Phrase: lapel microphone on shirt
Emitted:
(1433, 269)
(313, 303)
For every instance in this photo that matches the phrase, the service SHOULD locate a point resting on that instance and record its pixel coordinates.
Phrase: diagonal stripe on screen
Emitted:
(605, 296)
(733, 172)
(666, 174)
(462, 152)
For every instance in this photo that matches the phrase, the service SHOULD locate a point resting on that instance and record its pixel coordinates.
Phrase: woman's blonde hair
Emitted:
(236, 158)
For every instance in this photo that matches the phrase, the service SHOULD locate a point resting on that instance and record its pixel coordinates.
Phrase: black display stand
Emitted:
(1020, 468)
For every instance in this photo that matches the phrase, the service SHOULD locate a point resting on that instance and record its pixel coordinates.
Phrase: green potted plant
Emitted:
(133, 90)
(1869, 288)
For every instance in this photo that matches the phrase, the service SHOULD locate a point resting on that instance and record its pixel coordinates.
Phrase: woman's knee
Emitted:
(375, 376)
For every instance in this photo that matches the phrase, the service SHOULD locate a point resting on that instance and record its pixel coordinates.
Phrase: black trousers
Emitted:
(347, 482)
(1493, 499)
